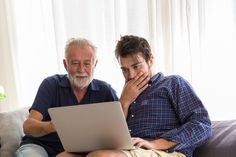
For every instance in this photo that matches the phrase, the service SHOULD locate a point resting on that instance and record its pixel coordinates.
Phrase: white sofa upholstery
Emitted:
(11, 131)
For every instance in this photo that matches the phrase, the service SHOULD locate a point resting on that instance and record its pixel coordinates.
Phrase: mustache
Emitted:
(81, 75)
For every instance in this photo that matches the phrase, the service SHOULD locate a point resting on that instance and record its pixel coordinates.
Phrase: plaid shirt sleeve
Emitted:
(195, 126)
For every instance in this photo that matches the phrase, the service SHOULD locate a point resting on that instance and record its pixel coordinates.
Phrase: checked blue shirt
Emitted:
(170, 109)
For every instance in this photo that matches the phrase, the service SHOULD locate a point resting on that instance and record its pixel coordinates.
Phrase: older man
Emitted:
(78, 87)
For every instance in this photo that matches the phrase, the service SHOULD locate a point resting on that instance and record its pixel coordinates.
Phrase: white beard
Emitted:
(80, 83)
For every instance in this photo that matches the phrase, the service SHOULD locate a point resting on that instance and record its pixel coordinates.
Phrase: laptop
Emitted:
(85, 128)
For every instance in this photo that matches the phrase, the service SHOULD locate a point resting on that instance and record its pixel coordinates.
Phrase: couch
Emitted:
(11, 131)
(222, 143)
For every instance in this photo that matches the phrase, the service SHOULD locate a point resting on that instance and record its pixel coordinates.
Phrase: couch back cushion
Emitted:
(222, 143)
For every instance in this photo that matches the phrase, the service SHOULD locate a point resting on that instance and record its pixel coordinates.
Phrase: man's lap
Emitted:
(139, 152)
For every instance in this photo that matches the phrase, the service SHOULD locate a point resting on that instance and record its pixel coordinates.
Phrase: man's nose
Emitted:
(132, 74)
(81, 68)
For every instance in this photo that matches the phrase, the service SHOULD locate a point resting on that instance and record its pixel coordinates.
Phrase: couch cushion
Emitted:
(11, 131)
(222, 142)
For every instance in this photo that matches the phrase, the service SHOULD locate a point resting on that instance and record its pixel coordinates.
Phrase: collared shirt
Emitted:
(170, 109)
(55, 91)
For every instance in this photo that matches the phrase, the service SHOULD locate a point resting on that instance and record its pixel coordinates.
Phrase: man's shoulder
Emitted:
(171, 81)
(100, 85)
(56, 80)
(171, 78)
(100, 82)
(56, 77)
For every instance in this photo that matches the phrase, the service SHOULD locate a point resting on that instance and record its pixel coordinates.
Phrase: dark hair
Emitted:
(131, 45)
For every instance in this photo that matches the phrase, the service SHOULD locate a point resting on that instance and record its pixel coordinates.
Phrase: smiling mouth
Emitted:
(81, 77)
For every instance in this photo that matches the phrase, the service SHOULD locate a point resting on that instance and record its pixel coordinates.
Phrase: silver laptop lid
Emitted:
(85, 128)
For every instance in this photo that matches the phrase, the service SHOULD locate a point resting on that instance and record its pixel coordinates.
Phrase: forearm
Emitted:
(125, 107)
(189, 135)
(37, 128)
(162, 144)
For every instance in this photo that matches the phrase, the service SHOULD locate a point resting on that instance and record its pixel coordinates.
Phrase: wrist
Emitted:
(163, 144)
(48, 127)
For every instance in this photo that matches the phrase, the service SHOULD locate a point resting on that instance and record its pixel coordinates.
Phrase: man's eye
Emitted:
(124, 70)
(136, 66)
(75, 63)
(87, 64)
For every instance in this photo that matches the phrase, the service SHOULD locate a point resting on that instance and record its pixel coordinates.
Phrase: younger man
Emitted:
(165, 116)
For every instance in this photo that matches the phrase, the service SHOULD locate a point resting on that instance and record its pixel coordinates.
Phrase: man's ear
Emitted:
(151, 61)
(65, 64)
(95, 64)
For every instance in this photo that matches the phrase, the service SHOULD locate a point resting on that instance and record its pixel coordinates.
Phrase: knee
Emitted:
(29, 149)
(60, 155)
(105, 153)
(98, 153)
(64, 154)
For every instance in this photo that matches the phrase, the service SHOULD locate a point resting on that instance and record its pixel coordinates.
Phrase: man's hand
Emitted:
(132, 89)
(141, 143)
(159, 144)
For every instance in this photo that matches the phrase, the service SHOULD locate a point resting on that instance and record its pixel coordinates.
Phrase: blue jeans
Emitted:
(29, 150)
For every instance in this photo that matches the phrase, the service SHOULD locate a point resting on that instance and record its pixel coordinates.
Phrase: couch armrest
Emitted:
(11, 131)
(222, 142)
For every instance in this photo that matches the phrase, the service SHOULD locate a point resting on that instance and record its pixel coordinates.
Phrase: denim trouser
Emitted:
(29, 150)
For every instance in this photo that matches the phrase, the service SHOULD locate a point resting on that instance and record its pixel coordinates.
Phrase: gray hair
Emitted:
(79, 42)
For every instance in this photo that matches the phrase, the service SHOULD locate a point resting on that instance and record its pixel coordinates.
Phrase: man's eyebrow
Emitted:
(136, 64)
(132, 65)
(123, 68)
(86, 60)
(74, 60)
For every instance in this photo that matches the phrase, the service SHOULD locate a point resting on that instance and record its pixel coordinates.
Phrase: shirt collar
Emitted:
(64, 81)
(155, 78)
(93, 86)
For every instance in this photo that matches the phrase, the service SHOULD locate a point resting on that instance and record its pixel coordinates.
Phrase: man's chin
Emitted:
(82, 84)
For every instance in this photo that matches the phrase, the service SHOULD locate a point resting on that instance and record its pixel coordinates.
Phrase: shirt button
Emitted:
(130, 130)
(132, 115)
(134, 102)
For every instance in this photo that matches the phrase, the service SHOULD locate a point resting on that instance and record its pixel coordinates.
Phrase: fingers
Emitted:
(135, 140)
(137, 85)
(143, 88)
(141, 143)
(133, 88)
(141, 80)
